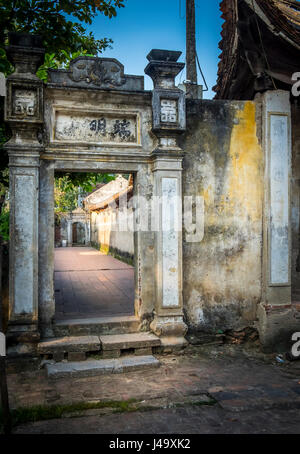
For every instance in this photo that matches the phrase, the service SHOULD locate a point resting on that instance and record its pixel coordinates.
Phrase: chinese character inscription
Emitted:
(168, 111)
(104, 129)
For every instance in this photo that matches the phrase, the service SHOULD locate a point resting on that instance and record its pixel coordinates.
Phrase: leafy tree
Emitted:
(4, 224)
(65, 195)
(61, 23)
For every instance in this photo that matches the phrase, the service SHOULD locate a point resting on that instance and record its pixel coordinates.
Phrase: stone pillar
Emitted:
(24, 114)
(169, 120)
(275, 313)
(70, 233)
(46, 248)
(87, 232)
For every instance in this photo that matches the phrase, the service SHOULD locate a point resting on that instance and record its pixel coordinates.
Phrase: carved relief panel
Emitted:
(24, 102)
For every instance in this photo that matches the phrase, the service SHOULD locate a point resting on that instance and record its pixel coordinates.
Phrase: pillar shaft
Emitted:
(168, 322)
(23, 300)
(46, 248)
(24, 114)
(277, 225)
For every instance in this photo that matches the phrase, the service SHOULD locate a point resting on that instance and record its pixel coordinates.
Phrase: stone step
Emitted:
(71, 348)
(101, 367)
(140, 343)
(97, 326)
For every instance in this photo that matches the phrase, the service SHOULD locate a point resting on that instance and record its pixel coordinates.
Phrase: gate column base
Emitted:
(22, 339)
(277, 323)
(171, 331)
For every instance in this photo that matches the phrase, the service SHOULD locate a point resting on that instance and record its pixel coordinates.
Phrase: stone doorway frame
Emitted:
(46, 306)
(155, 160)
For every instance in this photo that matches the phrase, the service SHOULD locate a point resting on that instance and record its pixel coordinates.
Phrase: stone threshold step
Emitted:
(129, 341)
(97, 326)
(69, 344)
(101, 367)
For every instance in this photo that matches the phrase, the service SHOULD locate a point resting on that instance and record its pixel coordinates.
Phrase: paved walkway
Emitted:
(252, 393)
(91, 284)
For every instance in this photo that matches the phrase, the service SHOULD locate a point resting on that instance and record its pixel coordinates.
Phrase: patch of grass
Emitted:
(42, 413)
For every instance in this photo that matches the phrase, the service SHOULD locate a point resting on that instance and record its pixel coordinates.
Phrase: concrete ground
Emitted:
(211, 389)
(91, 284)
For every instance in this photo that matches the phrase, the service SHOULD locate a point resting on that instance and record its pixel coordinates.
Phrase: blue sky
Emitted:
(157, 24)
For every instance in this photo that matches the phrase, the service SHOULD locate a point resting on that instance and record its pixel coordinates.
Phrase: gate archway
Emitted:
(105, 123)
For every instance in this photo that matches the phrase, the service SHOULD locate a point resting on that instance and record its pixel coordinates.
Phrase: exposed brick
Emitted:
(76, 356)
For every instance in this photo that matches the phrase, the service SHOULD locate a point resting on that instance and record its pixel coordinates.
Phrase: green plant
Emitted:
(4, 224)
(70, 185)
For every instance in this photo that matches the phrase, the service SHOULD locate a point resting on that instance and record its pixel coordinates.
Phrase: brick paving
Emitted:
(253, 394)
(91, 284)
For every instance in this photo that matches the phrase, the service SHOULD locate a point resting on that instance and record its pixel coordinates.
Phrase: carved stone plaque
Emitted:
(168, 111)
(279, 195)
(95, 128)
(170, 242)
(24, 103)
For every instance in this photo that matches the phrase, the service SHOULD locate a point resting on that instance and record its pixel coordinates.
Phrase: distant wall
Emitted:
(224, 165)
(105, 234)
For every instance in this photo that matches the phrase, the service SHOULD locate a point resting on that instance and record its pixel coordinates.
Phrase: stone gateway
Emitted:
(222, 166)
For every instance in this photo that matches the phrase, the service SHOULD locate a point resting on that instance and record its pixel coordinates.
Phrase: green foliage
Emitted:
(4, 224)
(59, 22)
(51, 62)
(5, 66)
(88, 181)
(69, 186)
(43, 413)
(65, 195)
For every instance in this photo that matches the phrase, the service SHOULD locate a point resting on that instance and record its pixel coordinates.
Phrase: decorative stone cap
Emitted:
(25, 52)
(163, 55)
(163, 67)
(25, 40)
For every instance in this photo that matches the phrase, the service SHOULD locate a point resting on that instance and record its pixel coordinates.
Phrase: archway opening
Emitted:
(94, 272)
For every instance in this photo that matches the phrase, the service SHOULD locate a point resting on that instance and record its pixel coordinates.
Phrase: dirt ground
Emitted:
(210, 389)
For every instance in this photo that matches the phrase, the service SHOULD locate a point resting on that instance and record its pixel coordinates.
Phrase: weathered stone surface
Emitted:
(143, 351)
(94, 72)
(131, 363)
(126, 341)
(70, 344)
(101, 367)
(97, 326)
(109, 354)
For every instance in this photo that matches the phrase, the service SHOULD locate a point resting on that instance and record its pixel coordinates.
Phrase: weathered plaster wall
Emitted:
(224, 165)
(106, 232)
